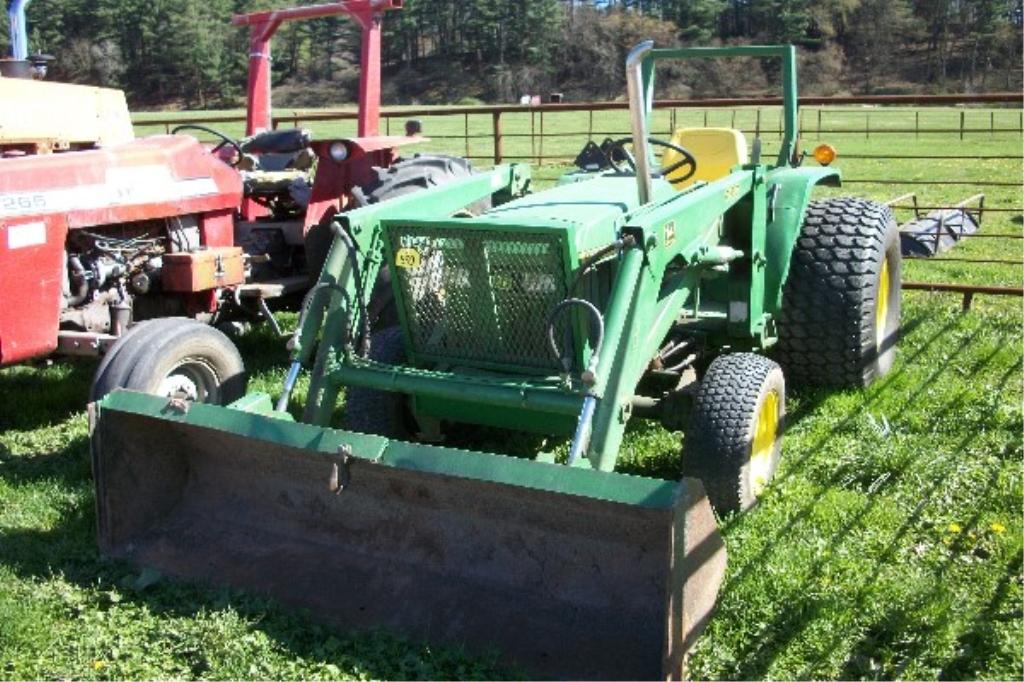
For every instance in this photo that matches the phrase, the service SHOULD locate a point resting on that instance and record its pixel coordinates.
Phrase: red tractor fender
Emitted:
(332, 186)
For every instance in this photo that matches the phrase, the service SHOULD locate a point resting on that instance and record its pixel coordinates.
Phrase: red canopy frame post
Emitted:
(263, 25)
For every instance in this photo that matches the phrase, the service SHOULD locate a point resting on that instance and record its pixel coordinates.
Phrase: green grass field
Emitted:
(890, 546)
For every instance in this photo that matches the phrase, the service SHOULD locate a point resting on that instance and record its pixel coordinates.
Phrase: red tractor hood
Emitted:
(155, 177)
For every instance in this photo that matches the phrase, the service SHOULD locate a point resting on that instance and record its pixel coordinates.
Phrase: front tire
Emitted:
(734, 440)
(175, 358)
(840, 316)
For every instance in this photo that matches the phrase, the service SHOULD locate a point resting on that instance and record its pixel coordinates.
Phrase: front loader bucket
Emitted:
(568, 572)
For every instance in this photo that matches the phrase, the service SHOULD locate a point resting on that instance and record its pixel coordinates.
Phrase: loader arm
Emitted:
(335, 302)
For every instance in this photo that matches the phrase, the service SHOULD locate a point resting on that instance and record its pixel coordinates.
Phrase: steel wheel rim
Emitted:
(882, 304)
(192, 380)
(759, 470)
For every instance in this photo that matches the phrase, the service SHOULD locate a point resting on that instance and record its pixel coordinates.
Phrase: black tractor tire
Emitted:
(111, 373)
(175, 358)
(734, 440)
(316, 246)
(421, 172)
(381, 413)
(840, 318)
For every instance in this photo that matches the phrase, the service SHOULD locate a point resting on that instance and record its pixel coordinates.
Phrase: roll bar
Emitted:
(263, 25)
(640, 86)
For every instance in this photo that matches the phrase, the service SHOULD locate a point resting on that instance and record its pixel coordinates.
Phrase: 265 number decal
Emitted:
(21, 203)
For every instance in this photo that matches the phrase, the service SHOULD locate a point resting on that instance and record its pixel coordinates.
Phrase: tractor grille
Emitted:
(478, 296)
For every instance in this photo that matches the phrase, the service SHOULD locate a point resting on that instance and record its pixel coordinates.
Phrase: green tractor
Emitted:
(653, 289)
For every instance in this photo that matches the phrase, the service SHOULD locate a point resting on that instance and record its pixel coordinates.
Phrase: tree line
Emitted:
(185, 52)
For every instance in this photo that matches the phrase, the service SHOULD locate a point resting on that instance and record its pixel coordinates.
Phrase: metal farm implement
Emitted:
(648, 290)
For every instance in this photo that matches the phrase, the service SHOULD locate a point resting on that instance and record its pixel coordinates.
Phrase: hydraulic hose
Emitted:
(590, 374)
(581, 438)
(296, 366)
(596, 258)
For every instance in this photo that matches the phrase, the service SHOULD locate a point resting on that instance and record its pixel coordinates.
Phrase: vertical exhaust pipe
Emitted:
(638, 117)
(19, 32)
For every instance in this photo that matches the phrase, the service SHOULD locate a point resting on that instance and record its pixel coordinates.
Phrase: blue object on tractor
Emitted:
(19, 32)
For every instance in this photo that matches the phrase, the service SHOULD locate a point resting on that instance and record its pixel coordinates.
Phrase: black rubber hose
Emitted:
(595, 258)
(595, 315)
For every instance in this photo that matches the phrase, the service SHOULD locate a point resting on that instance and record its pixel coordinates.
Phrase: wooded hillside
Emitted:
(185, 53)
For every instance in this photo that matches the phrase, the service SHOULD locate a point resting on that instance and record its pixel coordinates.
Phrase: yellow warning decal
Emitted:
(407, 258)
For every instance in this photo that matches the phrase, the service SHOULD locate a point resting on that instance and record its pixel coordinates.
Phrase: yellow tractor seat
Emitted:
(716, 150)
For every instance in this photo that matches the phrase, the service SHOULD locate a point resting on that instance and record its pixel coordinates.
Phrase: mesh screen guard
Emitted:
(479, 296)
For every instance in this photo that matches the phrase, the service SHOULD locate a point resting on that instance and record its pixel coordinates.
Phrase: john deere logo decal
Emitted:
(670, 233)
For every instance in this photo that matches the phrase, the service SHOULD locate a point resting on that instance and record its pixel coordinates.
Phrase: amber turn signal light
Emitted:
(825, 154)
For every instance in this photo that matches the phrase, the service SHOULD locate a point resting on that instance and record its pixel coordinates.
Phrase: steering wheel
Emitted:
(687, 160)
(225, 141)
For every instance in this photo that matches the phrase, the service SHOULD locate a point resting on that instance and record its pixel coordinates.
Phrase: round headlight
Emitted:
(338, 152)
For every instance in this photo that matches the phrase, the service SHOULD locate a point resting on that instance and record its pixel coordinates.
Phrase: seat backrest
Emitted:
(717, 150)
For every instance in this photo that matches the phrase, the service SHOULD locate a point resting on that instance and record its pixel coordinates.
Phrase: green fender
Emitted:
(793, 187)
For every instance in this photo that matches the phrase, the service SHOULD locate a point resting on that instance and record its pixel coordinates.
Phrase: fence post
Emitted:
(590, 124)
(992, 122)
(540, 146)
(499, 152)
(962, 117)
(757, 124)
(705, 118)
(917, 124)
(819, 123)
(466, 129)
(533, 134)
(733, 124)
(387, 125)
(867, 125)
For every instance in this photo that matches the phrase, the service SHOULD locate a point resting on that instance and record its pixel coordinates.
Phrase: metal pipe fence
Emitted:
(521, 133)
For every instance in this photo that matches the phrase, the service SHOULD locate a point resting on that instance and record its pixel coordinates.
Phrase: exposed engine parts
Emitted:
(107, 268)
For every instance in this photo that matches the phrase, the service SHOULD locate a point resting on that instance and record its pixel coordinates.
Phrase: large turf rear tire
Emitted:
(840, 316)
(734, 440)
(381, 413)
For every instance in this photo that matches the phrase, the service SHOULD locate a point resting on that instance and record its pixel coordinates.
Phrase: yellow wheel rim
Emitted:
(882, 304)
(763, 447)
